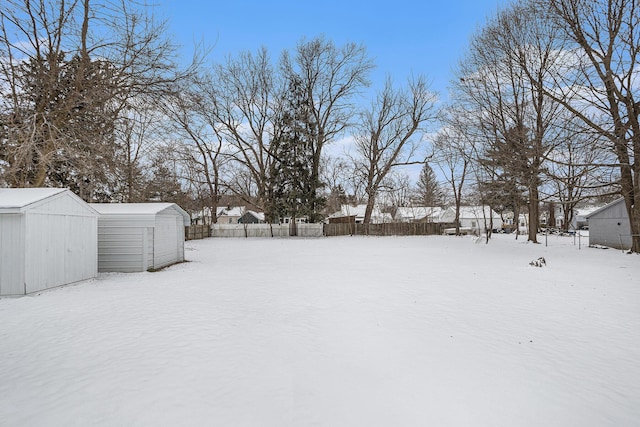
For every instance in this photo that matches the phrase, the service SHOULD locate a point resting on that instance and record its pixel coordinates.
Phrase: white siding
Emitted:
(610, 227)
(264, 230)
(59, 249)
(51, 242)
(12, 254)
(124, 249)
(180, 238)
(168, 239)
(138, 237)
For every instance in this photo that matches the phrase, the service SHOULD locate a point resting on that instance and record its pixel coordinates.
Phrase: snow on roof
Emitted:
(357, 211)
(476, 212)
(16, 198)
(602, 208)
(257, 215)
(130, 208)
(418, 212)
(138, 209)
(586, 210)
(232, 211)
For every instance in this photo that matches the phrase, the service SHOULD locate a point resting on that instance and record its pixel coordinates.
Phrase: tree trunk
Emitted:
(534, 213)
(368, 212)
(634, 222)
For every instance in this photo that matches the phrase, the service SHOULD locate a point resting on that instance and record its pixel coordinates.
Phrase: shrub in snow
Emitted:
(540, 262)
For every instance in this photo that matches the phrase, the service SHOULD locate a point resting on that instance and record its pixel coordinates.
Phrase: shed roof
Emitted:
(12, 198)
(597, 211)
(18, 200)
(139, 209)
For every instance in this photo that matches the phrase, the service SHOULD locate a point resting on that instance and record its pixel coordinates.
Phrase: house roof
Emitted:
(232, 211)
(476, 212)
(348, 210)
(258, 215)
(16, 198)
(418, 212)
(141, 209)
(358, 212)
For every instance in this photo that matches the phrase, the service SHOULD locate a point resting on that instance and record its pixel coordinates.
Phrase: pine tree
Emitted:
(292, 190)
(429, 190)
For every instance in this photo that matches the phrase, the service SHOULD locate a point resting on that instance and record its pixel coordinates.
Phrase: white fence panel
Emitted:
(264, 230)
(310, 230)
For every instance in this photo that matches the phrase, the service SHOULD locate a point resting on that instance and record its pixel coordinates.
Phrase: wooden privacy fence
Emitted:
(386, 229)
(196, 232)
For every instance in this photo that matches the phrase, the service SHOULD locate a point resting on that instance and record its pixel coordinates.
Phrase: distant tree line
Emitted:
(542, 109)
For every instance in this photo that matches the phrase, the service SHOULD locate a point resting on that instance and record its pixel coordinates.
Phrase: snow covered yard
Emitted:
(348, 331)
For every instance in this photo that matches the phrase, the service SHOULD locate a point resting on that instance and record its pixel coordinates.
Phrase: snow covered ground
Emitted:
(348, 331)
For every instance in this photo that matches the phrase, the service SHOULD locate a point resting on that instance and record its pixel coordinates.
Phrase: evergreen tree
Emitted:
(429, 191)
(293, 187)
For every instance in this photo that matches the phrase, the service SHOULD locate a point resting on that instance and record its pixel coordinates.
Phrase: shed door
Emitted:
(166, 238)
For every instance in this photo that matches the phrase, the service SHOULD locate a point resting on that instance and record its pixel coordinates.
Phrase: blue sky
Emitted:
(402, 36)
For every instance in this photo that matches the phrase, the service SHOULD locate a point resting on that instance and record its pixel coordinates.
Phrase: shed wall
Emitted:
(125, 244)
(59, 249)
(168, 239)
(50, 242)
(610, 227)
(12, 235)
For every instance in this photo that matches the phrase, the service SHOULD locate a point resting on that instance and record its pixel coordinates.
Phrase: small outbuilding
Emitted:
(48, 238)
(609, 226)
(134, 237)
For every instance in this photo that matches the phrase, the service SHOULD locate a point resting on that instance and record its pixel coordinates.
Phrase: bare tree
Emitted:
(65, 85)
(249, 96)
(135, 140)
(395, 190)
(331, 76)
(336, 172)
(576, 172)
(244, 93)
(451, 154)
(201, 148)
(600, 85)
(501, 78)
(384, 136)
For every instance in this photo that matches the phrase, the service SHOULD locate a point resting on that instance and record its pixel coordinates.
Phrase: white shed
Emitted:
(610, 226)
(136, 237)
(48, 238)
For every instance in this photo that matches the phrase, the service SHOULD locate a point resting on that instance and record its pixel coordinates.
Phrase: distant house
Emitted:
(231, 214)
(609, 226)
(418, 214)
(48, 238)
(251, 217)
(579, 220)
(134, 237)
(476, 218)
(357, 214)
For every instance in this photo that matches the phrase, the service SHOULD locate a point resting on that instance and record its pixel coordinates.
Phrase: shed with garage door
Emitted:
(48, 238)
(135, 237)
